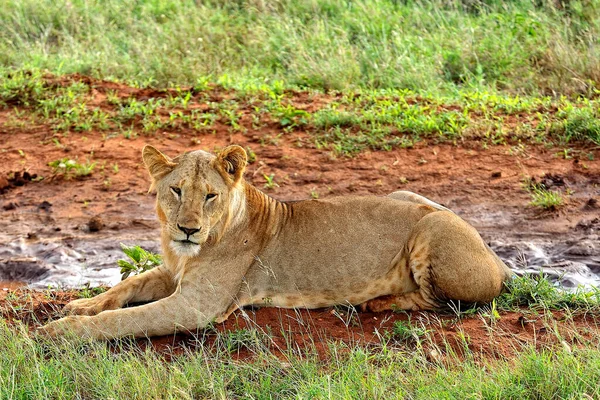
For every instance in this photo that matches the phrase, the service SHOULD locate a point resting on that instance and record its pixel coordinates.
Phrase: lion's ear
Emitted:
(157, 163)
(231, 161)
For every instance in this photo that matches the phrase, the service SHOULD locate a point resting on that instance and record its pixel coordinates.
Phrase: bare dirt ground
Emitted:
(54, 221)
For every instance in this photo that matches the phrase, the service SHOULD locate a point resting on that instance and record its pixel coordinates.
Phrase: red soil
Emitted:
(306, 331)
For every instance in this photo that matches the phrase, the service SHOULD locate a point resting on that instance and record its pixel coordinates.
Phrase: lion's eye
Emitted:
(210, 196)
(176, 190)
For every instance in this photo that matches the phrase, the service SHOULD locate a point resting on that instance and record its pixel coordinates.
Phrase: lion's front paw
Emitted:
(64, 326)
(91, 306)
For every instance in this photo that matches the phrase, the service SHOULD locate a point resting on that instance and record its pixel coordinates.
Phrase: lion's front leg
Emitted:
(163, 317)
(148, 286)
(195, 303)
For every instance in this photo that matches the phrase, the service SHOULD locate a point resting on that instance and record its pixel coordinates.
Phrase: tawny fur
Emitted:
(401, 251)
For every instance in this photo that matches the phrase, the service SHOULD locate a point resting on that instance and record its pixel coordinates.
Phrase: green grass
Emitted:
(73, 369)
(537, 292)
(519, 46)
(345, 123)
(546, 199)
(407, 363)
(496, 71)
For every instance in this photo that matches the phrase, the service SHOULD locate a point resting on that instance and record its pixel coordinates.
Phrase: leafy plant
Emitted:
(71, 168)
(140, 260)
(289, 116)
(270, 181)
(405, 330)
(89, 292)
(251, 155)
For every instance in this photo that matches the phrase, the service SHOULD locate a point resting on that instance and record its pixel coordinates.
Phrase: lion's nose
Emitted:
(187, 231)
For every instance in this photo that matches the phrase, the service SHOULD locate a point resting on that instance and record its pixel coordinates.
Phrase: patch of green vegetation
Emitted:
(289, 116)
(380, 119)
(252, 340)
(578, 123)
(407, 331)
(535, 291)
(88, 292)
(542, 197)
(68, 168)
(140, 260)
(270, 181)
(21, 87)
(546, 199)
(71, 368)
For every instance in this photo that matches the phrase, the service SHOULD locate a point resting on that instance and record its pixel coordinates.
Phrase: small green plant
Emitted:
(57, 143)
(240, 339)
(11, 296)
(69, 168)
(140, 260)
(251, 155)
(88, 292)
(404, 331)
(270, 184)
(492, 314)
(289, 116)
(544, 198)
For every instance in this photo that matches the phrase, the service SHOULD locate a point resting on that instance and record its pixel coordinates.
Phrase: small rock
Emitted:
(45, 205)
(95, 224)
(552, 180)
(591, 204)
(9, 206)
(497, 174)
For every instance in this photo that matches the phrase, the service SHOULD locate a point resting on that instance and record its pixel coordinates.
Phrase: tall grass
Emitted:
(74, 369)
(401, 366)
(520, 46)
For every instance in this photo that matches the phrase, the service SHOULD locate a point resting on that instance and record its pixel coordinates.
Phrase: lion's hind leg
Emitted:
(449, 262)
(423, 298)
(413, 301)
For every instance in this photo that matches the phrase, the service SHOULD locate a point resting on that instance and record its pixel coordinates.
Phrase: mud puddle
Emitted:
(77, 257)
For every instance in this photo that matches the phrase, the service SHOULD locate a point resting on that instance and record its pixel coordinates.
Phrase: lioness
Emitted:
(226, 245)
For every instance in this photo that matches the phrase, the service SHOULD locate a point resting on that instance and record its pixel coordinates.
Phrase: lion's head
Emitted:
(197, 194)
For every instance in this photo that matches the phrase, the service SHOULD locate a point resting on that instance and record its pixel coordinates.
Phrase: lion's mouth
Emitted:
(187, 241)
